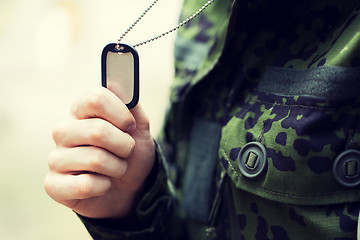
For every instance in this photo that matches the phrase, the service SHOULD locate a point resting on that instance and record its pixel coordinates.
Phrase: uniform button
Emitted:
(252, 159)
(346, 168)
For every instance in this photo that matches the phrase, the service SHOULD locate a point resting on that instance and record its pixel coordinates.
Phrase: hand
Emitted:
(102, 158)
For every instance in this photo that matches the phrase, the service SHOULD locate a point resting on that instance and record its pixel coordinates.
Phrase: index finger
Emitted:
(102, 103)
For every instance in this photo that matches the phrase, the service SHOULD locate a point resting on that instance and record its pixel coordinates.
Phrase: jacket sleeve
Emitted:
(149, 219)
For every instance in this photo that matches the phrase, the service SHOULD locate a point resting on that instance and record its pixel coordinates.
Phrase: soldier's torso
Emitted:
(280, 106)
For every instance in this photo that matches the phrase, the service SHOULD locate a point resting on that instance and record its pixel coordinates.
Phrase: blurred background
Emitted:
(49, 56)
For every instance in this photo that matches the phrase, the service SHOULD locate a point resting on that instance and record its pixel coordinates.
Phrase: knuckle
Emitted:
(90, 185)
(97, 135)
(97, 161)
(74, 109)
(48, 185)
(91, 102)
(84, 188)
(58, 132)
(96, 99)
(53, 160)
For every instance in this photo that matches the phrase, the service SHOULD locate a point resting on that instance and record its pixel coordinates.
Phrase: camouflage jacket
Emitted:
(262, 137)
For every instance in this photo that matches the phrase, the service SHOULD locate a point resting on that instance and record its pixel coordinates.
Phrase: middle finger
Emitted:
(94, 132)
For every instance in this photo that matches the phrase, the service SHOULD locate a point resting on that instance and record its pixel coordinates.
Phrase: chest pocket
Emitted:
(199, 173)
(305, 119)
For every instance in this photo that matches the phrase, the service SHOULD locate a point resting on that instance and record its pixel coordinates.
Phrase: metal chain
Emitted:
(167, 32)
(136, 21)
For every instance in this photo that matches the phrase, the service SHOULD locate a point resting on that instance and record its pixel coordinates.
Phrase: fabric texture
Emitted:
(328, 82)
(200, 170)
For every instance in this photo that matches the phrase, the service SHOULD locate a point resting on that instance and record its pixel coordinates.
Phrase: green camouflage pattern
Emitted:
(297, 197)
(221, 57)
(302, 136)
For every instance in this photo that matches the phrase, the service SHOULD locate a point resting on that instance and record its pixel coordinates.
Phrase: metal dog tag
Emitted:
(120, 72)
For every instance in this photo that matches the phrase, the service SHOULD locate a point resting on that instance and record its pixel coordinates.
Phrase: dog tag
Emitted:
(120, 72)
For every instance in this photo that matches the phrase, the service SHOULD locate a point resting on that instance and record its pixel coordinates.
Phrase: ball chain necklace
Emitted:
(120, 62)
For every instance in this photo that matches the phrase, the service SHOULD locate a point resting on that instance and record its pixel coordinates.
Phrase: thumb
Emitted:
(142, 120)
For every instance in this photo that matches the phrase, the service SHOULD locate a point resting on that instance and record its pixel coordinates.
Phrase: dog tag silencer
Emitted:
(120, 72)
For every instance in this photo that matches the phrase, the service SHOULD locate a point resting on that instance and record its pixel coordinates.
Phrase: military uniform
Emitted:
(262, 137)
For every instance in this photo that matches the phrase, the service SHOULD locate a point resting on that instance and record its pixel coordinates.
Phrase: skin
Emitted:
(104, 152)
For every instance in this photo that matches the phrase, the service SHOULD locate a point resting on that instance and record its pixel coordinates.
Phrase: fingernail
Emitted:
(131, 129)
